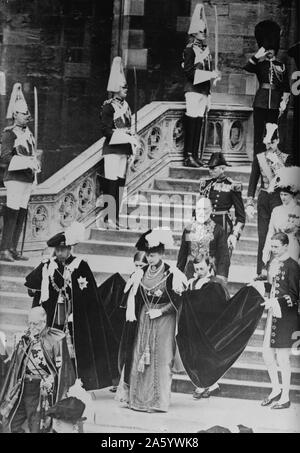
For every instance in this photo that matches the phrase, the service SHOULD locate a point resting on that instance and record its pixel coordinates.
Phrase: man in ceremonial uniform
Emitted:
(119, 145)
(272, 97)
(264, 167)
(40, 374)
(204, 237)
(224, 194)
(197, 91)
(65, 287)
(17, 143)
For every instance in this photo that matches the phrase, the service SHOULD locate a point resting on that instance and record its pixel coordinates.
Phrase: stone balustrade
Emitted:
(70, 194)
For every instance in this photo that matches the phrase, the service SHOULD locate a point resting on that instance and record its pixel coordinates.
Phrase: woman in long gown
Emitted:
(285, 218)
(148, 341)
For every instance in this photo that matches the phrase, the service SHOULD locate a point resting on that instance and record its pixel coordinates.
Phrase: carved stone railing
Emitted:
(70, 194)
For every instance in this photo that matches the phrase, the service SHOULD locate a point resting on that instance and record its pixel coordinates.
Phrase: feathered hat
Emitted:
(198, 20)
(287, 179)
(71, 236)
(267, 35)
(154, 241)
(271, 133)
(69, 409)
(17, 102)
(117, 76)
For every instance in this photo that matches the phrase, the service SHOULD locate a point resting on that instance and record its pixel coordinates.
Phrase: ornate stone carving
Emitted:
(68, 209)
(39, 222)
(86, 194)
(154, 140)
(178, 134)
(236, 136)
(140, 157)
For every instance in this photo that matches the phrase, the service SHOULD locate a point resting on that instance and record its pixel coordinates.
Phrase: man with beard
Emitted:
(66, 288)
(39, 375)
(204, 237)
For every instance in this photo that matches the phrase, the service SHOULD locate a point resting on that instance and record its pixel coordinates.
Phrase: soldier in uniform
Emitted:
(17, 141)
(272, 97)
(224, 194)
(197, 96)
(282, 321)
(119, 144)
(264, 167)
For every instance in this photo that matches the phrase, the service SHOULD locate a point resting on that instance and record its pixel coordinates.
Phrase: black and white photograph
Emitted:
(149, 219)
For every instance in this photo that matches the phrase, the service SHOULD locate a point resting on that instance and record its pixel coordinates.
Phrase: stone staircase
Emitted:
(109, 251)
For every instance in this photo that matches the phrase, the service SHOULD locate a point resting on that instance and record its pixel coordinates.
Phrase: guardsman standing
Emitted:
(120, 144)
(264, 167)
(272, 97)
(197, 92)
(19, 154)
(224, 194)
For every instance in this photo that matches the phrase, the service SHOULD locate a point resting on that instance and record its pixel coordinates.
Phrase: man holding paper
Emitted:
(119, 144)
(18, 153)
(197, 66)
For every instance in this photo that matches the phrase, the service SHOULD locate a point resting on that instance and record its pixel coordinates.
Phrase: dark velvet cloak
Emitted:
(111, 294)
(213, 333)
(95, 345)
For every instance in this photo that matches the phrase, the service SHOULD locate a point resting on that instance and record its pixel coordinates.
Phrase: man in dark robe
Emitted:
(66, 288)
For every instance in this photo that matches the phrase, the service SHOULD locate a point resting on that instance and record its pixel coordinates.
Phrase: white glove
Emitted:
(154, 313)
(231, 241)
(261, 53)
(250, 211)
(208, 102)
(282, 106)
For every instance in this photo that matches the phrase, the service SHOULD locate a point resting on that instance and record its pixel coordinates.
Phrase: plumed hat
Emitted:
(71, 236)
(69, 410)
(294, 52)
(267, 35)
(17, 102)
(217, 159)
(155, 240)
(117, 77)
(271, 132)
(287, 179)
(198, 20)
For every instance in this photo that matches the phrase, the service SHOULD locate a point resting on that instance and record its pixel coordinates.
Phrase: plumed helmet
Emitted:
(198, 20)
(117, 76)
(267, 35)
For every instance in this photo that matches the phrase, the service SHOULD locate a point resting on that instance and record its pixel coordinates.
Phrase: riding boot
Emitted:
(189, 131)
(121, 186)
(197, 137)
(9, 225)
(16, 236)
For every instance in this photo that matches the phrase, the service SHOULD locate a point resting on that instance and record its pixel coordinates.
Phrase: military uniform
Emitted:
(273, 81)
(266, 202)
(16, 141)
(196, 56)
(285, 282)
(224, 194)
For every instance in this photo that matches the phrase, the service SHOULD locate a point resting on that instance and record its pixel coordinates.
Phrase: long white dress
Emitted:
(285, 219)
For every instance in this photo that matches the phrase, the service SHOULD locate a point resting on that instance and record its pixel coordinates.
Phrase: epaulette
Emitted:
(236, 186)
(45, 260)
(190, 44)
(107, 101)
(204, 181)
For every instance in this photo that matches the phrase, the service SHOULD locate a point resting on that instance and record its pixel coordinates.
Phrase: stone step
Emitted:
(253, 355)
(15, 316)
(16, 269)
(250, 372)
(127, 249)
(12, 284)
(237, 174)
(235, 388)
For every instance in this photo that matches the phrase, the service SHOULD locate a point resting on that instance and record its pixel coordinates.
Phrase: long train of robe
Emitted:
(209, 348)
